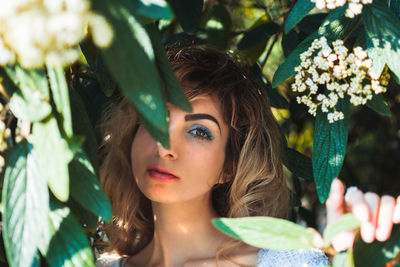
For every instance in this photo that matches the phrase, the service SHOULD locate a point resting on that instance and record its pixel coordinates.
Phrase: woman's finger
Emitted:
(385, 221)
(368, 230)
(396, 212)
(335, 202)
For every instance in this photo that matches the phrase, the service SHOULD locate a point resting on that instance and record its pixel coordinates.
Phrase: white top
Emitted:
(266, 258)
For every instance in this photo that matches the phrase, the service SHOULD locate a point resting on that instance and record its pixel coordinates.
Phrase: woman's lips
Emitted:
(161, 174)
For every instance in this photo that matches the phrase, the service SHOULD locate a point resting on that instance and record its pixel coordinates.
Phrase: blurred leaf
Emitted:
(86, 189)
(299, 11)
(7, 85)
(188, 13)
(25, 199)
(289, 42)
(266, 232)
(345, 223)
(395, 7)
(335, 26)
(276, 100)
(173, 88)
(343, 259)
(53, 156)
(69, 246)
(377, 254)
(31, 101)
(379, 104)
(383, 37)
(83, 126)
(154, 9)
(329, 148)
(218, 27)
(59, 88)
(131, 62)
(257, 35)
(298, 164)
(311, 23)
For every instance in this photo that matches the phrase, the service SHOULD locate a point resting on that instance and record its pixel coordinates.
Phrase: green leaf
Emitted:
(25, 198)
(59, 88)
(218, 27)
(298, 164)
(343, 259)
(188, 13)
(329, 148)
(395, 7)
(257, 35)
(383, 37)
(54, 156)
(379, 104)
(154, 9)
(345, 223)
(69, 246)
(377, 253)
(266, 232)
(86, 188)
(31, 101)
(335, 26)
(298, 12)
(82, 126)
(173, 88)
(131, 62)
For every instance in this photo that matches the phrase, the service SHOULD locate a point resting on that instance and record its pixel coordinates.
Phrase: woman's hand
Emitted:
(377, 215)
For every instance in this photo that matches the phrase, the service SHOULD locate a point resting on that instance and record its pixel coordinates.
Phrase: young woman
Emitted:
(224, 161)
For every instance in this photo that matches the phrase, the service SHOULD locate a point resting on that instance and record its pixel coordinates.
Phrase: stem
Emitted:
(269, 51)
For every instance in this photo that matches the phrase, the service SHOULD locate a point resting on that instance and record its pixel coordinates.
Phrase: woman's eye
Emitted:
(201, 133)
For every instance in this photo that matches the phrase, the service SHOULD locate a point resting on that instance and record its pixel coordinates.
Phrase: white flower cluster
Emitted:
(355, 6)
(340, 72)
(38, 32)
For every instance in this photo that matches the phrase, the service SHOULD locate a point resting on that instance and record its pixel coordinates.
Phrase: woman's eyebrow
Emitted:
(201, 116)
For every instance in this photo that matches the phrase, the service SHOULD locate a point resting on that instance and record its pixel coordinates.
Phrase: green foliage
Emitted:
(257, 35)
(379, 104)
(329, 148)
(257, 231)
(345, 223)
(299, 11)
(188, 13)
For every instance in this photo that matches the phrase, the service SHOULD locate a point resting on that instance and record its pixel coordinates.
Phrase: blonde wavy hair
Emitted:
(253, 174)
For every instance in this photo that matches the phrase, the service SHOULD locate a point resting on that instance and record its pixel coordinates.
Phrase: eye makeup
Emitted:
(200, 132)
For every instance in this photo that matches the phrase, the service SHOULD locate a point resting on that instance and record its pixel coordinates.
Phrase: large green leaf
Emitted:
(131, 62)
(345, 223)
(188, 13)
(377, 253)
(69, 246)
(218, 27)
(298, 163)
(299, 11)
(154, 9)
(54, 156)
(343, 259)
(82, 126)
(59, 88)
(25, 199)
(383, 37)
(329, 148)
(335, 26)
(257, 35)
(379, 104)
(173, 88)
(266, 232)
(31, 102)
(86, 188)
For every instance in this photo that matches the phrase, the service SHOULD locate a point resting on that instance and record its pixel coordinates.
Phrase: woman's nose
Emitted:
(168, 153)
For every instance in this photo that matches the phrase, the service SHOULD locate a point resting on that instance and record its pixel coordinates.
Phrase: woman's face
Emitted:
(193, 164)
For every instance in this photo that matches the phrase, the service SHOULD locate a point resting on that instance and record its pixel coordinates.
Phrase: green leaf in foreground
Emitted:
(329, 148)
(379, 104)
(383, 37)
(299, 11)
(54, 156)
(266, 232)
(188, 13)
(173, 88)
(345, 223)
(25, 199)
(343, 259)
(69, 246)
(218, 27)
(377, 254)
(86, 189)
(131, 62)
(154, 9)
